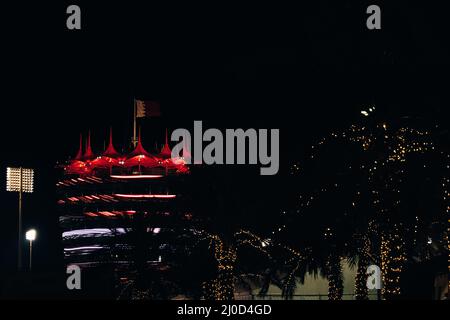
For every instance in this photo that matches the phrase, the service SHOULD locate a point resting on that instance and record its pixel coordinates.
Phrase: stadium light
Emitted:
(30, 235)
(19, 180)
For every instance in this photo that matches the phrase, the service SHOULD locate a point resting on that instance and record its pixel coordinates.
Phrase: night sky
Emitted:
(305, 70)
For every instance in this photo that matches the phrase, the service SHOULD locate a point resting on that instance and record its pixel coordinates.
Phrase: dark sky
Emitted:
(303, 69)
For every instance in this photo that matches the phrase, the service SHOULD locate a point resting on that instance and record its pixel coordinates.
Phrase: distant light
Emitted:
(156, 230)
(265, 243)
(364, 113)
(430, 241)
(30, 235)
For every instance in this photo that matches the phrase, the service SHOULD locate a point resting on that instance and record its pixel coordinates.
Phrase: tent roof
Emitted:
(88, 154)
(139, 150)
(165, 151)
(79, 155)
(111, 152)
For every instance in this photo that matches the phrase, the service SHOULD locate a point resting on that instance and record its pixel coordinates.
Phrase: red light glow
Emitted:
(146, 196)
(142, 176)
(107, 213)
(90, 214)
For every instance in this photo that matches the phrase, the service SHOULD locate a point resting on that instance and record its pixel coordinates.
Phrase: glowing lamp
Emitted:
(30, 235)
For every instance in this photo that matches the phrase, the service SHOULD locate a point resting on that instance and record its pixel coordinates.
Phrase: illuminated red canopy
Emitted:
(88, 154)
(166, 153)
(111, 152)
(140, 157)
(109, 158)
(79, 155)
(83, 164)
(77, 167)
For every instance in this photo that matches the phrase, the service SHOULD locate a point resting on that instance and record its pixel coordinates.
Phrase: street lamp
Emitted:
(19, 180)
(30, 235)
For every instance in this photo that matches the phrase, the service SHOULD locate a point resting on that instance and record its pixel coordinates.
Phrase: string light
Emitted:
(334, 276)
(361, 291)
(393, 257)
(387, 151)
(221, 288)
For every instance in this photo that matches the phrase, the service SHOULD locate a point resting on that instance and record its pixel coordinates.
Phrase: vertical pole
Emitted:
(31, 253)
(380, 264)
(134, 123)
(19, 249)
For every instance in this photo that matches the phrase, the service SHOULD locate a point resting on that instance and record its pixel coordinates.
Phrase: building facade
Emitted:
(124, 211)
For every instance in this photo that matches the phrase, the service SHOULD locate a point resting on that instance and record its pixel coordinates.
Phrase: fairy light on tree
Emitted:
(361, 291)
(386, 152)
(334, 276)
(221, 288)
(393, 258)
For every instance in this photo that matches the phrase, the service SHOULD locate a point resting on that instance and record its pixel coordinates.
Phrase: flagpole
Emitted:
(134, 123)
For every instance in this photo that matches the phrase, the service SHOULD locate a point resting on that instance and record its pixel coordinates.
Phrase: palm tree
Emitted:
(231, 211)
(377, 171)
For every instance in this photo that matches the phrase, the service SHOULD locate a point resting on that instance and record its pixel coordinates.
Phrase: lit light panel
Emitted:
(14, 181)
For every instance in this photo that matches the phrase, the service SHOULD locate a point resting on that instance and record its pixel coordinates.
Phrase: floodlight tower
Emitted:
(19, 180)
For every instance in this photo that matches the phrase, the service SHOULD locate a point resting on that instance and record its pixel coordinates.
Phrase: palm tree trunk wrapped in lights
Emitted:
(393, 258)
(361, 291)
(222, 288)
(334, 276)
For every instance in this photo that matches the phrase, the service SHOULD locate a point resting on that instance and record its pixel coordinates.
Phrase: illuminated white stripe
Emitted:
(84, 232)
(84, 248)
